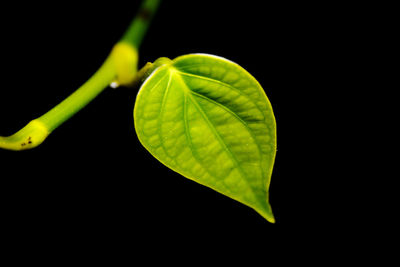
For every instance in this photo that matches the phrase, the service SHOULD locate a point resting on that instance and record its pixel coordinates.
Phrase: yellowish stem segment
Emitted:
(32, 135)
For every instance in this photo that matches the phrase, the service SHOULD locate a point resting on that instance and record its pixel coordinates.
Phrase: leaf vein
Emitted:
(222, 84)
(220, 139)
(217, 134)
(212, 101)
(162, 109)
(188, 136)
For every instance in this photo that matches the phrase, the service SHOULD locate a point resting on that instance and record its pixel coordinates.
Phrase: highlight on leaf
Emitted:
(208, 119)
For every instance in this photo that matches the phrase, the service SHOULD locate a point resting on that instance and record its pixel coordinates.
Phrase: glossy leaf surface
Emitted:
(208, 119)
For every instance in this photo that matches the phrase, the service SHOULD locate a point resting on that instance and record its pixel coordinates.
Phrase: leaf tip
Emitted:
(266, 212)
(268, 216)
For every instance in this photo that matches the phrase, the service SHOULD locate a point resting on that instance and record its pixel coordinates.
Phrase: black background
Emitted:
(92, 185)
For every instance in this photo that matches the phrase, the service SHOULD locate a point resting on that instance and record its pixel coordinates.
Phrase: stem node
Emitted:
(125, 58)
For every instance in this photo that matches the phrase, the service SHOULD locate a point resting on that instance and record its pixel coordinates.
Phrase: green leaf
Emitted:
(208, 119)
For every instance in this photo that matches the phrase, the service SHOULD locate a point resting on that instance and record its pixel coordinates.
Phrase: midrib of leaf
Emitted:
(189, 92)
(222, 106)
(212, 101)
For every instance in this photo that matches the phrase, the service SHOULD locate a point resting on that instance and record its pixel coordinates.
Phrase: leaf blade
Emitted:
(218, 129)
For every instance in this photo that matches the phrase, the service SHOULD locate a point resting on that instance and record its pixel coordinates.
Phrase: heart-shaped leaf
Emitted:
(208, 119)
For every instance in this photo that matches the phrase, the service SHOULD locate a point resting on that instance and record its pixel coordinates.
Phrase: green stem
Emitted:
(119, 67)
(139, 25)
(81, 97)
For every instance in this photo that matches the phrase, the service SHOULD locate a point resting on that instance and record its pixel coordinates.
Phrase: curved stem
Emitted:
(120, 67)
(81, 97)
